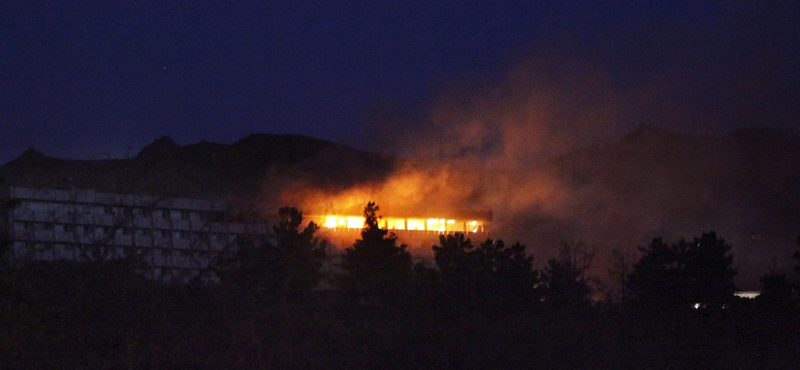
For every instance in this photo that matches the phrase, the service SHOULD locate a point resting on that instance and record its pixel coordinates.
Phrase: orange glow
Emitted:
(395, 223)
(355, 222)
(416, 224)
(330, 222)
(415, 203)
(349, 222)
(409, 191)
(440, 225)
(436, 224)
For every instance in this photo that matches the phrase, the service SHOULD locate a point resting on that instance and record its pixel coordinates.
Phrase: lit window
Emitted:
(416, 224)
(330, 222)
(355, 222)
(436, 224)
(395, 223)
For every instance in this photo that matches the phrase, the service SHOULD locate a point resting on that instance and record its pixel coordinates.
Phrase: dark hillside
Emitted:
(242, 170)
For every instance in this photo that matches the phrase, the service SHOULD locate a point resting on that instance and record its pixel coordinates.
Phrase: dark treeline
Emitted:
(273, 303)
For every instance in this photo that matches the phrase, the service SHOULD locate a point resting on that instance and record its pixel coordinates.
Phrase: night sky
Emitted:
(95, 80)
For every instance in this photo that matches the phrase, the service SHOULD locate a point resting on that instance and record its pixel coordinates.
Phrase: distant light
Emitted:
(748, 294)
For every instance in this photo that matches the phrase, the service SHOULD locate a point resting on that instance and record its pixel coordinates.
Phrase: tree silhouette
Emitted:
(302, 254)
(654, 277)
(708, 269)
(619, 270)
(776, 292)
(453, 258)
(7, 205)
(377, 268)
(564, 278)
(684, 273)
(288, 267)
(488, 277)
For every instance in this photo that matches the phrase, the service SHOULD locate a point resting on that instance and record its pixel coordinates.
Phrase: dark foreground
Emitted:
(80, 317)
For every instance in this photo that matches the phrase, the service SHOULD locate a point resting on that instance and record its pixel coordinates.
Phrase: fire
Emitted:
(417, 205)
(349, 222)
(408, 191)
(436, 224)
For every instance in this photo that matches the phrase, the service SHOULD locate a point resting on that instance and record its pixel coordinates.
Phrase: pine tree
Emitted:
(377, 267)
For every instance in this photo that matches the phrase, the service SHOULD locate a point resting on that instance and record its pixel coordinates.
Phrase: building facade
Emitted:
(176, 238)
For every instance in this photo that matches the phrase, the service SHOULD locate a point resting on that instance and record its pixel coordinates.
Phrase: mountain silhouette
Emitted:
(242, 170)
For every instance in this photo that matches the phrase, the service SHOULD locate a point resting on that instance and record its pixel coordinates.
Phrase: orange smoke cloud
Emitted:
(410, 190)
(481, 147)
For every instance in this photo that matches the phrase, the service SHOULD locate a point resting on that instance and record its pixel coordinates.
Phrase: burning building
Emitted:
(179, 237)
(419, 232)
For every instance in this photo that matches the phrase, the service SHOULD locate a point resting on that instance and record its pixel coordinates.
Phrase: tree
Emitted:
(564, 278)
(377, 268)
(7, 205)
(266, 280)
(776, 291)
(452, 256)
(619, 270)
(654, 276)
(302, 255)
(708, 269)
(288, 267)
(488, 277)
(684, 273)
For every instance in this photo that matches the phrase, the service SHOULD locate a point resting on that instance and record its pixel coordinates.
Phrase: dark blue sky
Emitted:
(92, 80)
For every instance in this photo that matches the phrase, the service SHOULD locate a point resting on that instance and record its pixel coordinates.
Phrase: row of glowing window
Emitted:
(430, 224)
